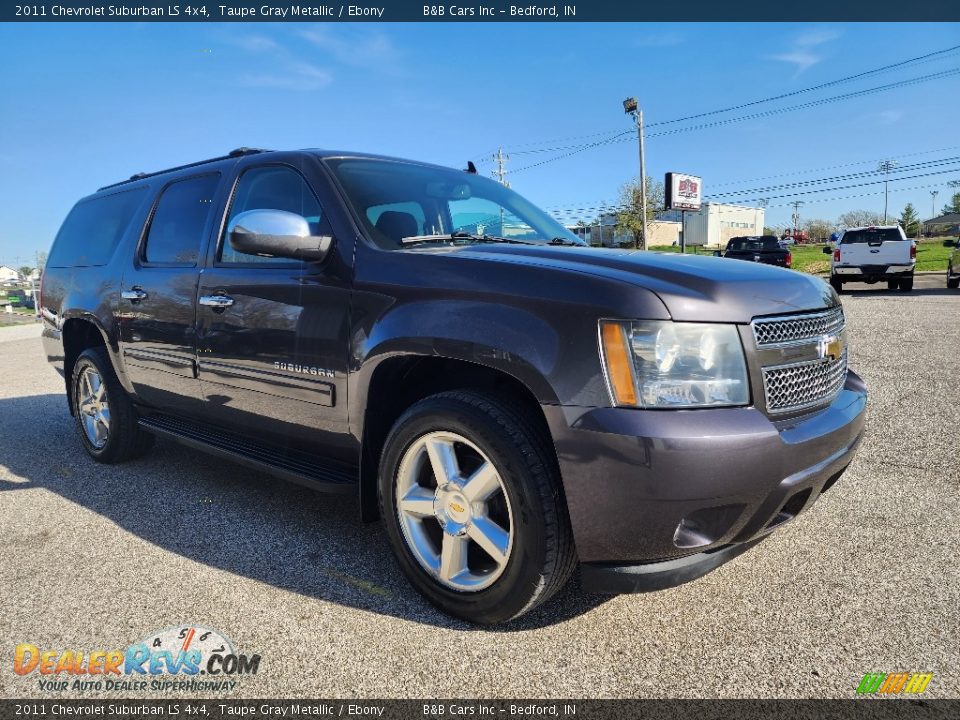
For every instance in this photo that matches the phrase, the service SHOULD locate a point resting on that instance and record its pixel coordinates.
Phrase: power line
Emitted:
(575, 149)
(920, 59)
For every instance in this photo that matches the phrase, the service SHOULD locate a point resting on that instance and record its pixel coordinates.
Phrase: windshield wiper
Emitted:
(564, 241)
(460, 235)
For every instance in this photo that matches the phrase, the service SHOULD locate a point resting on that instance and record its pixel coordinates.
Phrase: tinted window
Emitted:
(767, 242)
(179, 222)
(870, 235)
(93, 228)
(272, 188)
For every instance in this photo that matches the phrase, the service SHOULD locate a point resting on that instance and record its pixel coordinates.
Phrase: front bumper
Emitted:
(657, 498)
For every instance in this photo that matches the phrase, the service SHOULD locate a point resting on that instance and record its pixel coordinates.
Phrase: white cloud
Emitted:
(359, 47)
(805, 50)
(299, 76)
(254, 43)
(655, 40)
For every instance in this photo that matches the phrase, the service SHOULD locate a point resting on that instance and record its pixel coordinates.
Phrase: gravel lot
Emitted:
(97, 557)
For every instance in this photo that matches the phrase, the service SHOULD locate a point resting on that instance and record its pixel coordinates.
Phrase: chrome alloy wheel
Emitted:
(93, 407)
(454, 511)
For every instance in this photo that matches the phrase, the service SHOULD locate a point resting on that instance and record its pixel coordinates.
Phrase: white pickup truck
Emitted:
(873, 254)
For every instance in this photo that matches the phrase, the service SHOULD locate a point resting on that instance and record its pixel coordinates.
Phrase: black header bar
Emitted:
(483, 11)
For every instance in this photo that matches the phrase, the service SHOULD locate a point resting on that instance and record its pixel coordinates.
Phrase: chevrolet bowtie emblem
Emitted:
(830, 347)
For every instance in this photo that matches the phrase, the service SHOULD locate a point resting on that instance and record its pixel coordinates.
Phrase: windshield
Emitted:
(870, 235)
(398, 200)
(754, 243)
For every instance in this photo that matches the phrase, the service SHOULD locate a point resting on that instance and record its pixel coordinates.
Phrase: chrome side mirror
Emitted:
(277, 233)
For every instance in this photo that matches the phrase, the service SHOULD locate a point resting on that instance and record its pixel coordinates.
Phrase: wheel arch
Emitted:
(79, 334)
(399, 381)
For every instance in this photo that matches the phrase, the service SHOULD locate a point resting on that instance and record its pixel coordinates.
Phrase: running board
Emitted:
(291, 465)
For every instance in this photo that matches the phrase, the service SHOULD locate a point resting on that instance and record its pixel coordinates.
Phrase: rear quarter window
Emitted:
(93, 229)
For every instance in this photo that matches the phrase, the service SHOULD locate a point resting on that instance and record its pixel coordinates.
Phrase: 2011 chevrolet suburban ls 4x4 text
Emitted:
(510, 403)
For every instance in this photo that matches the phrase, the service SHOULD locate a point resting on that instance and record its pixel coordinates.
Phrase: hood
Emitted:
(694, 288)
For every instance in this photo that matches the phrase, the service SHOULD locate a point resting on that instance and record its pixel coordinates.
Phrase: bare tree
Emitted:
(860, 218)
(818, 230)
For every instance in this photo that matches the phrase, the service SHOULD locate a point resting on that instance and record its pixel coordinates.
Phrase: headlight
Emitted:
(665, 364)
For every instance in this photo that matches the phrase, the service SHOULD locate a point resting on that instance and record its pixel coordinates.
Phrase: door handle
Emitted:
(134, 295)
(216, 301)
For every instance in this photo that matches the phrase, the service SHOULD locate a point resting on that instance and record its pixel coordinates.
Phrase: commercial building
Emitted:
(715, 223)
(604, 232)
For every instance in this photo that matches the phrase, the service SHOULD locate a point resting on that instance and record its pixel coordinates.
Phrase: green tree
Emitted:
(910, 221)
(630, 216)
(953, 206)
(26, 271)
(771, 231)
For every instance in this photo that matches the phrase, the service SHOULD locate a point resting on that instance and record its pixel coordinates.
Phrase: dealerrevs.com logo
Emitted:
(186, 657)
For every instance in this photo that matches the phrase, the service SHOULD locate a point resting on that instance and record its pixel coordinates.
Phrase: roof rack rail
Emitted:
(238, 152)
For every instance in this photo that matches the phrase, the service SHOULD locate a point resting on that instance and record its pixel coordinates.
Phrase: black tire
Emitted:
(906, 284)
(542, 555)
(892, 284)
(125, 440)
(952, 283)
(836, 284)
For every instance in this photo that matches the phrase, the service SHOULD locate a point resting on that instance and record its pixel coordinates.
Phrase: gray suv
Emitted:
(510, 403)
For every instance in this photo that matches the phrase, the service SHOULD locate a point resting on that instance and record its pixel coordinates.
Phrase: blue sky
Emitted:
(85, 105)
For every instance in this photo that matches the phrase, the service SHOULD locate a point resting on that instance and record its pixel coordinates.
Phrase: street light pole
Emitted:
(632, 107)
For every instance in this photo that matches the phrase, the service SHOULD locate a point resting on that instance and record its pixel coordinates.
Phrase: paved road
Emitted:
(97, 557)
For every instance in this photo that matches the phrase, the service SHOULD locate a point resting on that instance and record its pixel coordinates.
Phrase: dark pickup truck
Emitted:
(512, 404)
(765, 249)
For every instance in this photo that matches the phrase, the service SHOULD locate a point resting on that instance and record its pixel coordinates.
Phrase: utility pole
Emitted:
(886, 167)
(500, 173)
(933, 203)
(632, 107)
(796, 217)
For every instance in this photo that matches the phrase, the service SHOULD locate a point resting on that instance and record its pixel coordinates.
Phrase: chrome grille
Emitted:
(804, 384)
(792, 329)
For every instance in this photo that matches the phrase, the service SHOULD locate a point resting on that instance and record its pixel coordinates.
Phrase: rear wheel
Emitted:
(952, 283)
(892, 284)
(906, 284)
(836, 284)
(105, 416)
(473, 508)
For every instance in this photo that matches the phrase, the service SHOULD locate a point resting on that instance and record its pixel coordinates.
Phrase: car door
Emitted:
(156, 314)
(272, 333)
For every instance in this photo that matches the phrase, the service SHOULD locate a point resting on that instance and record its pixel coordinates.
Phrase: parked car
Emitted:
(766, 249)
(509, 402)
(953, 266)
(871, 255)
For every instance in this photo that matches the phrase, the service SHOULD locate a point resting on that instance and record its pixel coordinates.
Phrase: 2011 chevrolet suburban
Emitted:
(511, 403)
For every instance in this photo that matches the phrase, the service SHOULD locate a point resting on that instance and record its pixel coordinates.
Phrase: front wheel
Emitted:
(473, 507)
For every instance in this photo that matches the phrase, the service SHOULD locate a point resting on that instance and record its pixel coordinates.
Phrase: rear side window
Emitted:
(180, 221)
(870, 235)
(93, 228)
